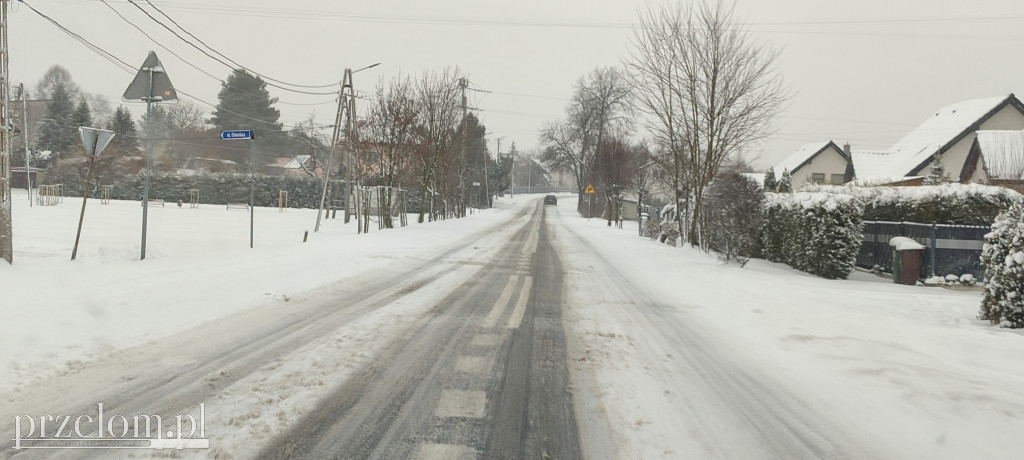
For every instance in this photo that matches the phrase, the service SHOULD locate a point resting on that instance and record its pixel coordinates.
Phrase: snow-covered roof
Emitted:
(297, 162)
(1003, 153)
(873, 164)
(795, 159)
(942, 127)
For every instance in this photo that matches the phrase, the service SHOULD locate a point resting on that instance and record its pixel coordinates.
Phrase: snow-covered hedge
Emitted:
(1003, 259)
(965, 204)
(819, 233)
(214, 188)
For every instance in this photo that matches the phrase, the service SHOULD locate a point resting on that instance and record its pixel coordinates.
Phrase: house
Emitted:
(1001, 155)
(947, 136)
(817, 163)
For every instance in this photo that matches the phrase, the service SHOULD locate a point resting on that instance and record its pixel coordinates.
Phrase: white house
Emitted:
(949, 134)
(816, 163)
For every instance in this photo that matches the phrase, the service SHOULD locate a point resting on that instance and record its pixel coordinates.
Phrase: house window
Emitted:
(818, 178)
(837, 179)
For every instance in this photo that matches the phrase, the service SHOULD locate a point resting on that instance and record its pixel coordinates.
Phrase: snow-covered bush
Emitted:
(952, 279)
(669, 232)
(967, 279)
(965, 204)
(819, 233)
(733, 216)
(1003, 259)
(214, 188)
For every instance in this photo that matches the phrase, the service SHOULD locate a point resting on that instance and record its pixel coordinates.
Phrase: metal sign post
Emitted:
(247, 135)
(94, 141)
(150, 85)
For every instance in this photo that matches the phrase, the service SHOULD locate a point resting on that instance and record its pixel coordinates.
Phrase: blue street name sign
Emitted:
(238, 134)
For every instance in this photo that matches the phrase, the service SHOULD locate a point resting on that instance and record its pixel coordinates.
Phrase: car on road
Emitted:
(551, 200)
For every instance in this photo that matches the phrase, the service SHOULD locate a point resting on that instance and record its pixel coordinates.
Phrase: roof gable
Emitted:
(943, 129)
(1002, 153)
(805, 154)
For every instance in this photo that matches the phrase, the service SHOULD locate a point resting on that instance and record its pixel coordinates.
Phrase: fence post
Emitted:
(931, 263)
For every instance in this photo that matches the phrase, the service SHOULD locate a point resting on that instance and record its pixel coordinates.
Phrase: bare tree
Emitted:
(389, 134)
(711, 89)
(439, 114)
(600, 105)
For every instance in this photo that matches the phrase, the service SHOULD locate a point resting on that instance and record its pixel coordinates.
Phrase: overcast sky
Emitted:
(863, 71)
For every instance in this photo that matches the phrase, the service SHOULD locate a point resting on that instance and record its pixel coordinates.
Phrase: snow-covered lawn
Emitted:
(56, 314)
(907, 371)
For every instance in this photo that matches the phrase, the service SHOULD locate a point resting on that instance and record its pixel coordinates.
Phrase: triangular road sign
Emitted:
(161, 91)
(94, 140)
(589, 190)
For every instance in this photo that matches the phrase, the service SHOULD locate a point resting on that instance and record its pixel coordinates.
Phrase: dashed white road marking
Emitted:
(499, 307)
(475, 364)
(486, 340)
(524, 297)
(462, 403)
(445, 452)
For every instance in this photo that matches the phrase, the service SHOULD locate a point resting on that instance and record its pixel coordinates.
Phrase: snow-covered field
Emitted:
(56, 313)
(906, 371)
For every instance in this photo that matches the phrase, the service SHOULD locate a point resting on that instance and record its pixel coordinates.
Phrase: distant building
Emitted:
(817, 163)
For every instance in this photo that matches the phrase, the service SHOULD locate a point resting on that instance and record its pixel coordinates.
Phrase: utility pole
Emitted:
(463, 84)
(6, 227)
(330, 156)
(24, 136)
(350, 141)
(512, 154)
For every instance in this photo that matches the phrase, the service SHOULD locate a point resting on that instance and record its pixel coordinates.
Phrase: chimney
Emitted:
(846, 149)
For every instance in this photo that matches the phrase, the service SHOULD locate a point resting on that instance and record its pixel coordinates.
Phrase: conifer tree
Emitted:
(786, 182)
(126, 137)
(56, 132)
(82, 115)
(771, 184)
(1003, 259)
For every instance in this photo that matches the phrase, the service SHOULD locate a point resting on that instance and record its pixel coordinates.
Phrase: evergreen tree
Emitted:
(1003, 259)
(82, 115)
(771, 184)
(56, 132)
(936, 172)
(126, 137)
(244, 103)
(786, 182)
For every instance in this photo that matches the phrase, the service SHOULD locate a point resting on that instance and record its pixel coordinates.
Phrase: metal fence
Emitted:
(949, 249)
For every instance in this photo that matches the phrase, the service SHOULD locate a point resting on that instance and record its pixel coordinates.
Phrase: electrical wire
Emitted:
(265, 77)
(204, 72)
(215, 58)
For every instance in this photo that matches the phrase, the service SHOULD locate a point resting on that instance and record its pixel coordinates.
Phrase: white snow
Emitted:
(907, 371)
(902, 243)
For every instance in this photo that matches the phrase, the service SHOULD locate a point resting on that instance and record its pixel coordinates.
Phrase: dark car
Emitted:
(551, 200)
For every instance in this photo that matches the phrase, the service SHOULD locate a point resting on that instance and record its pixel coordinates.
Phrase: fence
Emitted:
(949, 249)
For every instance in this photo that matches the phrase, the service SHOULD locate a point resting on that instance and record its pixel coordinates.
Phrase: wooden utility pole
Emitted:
(6, 230)
(330, 156)
(463, 84)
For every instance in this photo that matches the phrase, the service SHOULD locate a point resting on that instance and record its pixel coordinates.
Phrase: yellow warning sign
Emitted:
(589, 190)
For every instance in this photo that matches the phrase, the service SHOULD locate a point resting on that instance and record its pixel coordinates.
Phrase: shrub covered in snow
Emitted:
(1003, 259)
(733, 216)
(965, 204)
(214, 188)
(819, 233)
(967, 279)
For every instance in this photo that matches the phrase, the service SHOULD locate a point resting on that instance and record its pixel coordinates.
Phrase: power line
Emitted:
(190, 34)
(204, 72)
(226, 64)
(128, 68)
